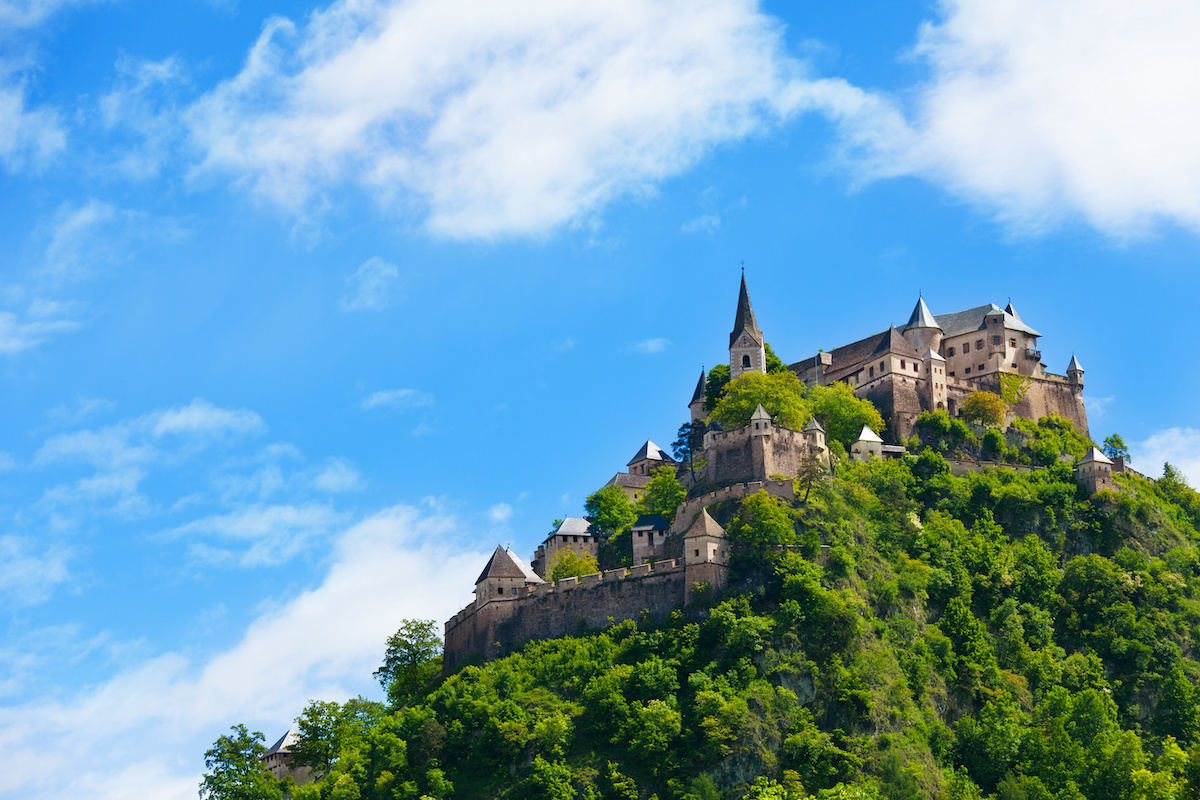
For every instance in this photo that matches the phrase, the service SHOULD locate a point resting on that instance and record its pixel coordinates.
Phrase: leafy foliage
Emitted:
(1114, 447)
(714, 386)
(843, 413)
(662, 495)
(986, 408)
(235, 769)
(412, 659)
(572, 564)
(610, 510)
(780, 393)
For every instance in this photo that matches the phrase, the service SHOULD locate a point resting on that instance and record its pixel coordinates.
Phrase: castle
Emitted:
(929, 363)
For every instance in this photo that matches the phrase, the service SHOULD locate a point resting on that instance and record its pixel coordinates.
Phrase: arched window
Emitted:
(745, 362)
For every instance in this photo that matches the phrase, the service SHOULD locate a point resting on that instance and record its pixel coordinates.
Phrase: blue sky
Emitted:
(303, 308)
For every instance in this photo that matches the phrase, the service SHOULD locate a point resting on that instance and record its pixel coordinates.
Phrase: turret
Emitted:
(746, 351)
(503, 578)
(760, 422)
(697, 404)
(1075, 372)
(934, 367)
(922, 329)
(814, 438)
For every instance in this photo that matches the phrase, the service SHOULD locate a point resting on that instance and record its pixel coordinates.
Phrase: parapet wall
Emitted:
(685, 515)
(549, 610)
(740, 455)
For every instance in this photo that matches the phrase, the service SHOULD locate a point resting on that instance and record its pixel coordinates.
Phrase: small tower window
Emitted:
(902, 364)
(872, 372)
(745, 362)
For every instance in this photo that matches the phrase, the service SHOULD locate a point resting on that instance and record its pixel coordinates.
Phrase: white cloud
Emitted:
(337, 476)
(141, 104)
(500, 513)
(201, 417)
(143, 732)
(372, 286)
(7, 462)
(500, 119)
(705, 222)
(27, 136)
(398, 398)
(1054, 109)
(275, 533)
(18, 334)
(652, 346)
(96, 234)
(17, 14)
(1179, 446)
(27, 576)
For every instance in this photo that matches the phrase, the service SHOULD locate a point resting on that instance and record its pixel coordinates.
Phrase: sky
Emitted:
(305, 308)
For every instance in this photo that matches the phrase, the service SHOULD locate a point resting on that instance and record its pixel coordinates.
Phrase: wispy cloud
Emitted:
(396, 563)
(706, 223)
(28, 136)
(500, 513)
(28, 572)
(1178, 446)
(20, 333)
(500, 120)
(142, 105)
(372, 286)
(398, 398)
(96, 234)
(652, 346)
(337, 476)
(274, 534)
(18, 14)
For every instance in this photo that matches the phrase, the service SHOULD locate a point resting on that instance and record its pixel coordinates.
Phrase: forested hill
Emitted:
(902, 634)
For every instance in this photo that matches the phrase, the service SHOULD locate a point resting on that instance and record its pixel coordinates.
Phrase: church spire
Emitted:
(745, 322)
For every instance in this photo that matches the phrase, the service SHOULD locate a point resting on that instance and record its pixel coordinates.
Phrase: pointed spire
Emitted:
(1012, 312)
(760, 415)
(505, 564)
(745, 322)
(705, 525)
(922, 317)
(698, 395)
(1074, 366)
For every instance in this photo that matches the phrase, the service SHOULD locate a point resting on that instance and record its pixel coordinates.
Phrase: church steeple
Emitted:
(746, 352)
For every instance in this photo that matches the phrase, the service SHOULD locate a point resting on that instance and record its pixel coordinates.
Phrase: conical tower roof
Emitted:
(760, 414)
(745, 322)
(698, 395)
(814, 425)
(1074, 366)
(505, 564)
(922, 317)
(704, 525)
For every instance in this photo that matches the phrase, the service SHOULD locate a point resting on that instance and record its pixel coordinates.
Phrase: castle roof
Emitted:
(813, 425)
(283, 745)
(848, 358)
(698, 395)
(505, 564)
(893, 342)
(745, 322)
(651, 522)
(629, 481)
(868, 435)
(932, 354)
(1074, 365)
(578, 526)
(704, 525)
(975, 319)
(921, 317)
(760, 414)
(652, 452)
(1094, 456)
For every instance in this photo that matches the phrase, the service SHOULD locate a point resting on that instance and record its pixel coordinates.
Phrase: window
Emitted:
(996, 340)
(576, 539)
(950, 352)
(514, 591)
(979, 344)
(916, 367)
(951, 374)
(881, 366)
(1012, 343)
(641, 534)
(564, 539)
(981, 367)
(697, 554)
(902, 364)
(499, 591)
(872, 372)
(745, 362)
(966, 347)
(967, 370)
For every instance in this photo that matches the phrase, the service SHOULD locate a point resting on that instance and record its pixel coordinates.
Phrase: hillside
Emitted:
(902, 634)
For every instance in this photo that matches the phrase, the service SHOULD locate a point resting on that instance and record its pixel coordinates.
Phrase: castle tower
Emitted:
(504, 578)
(760, 422)
(705, 556)
(746, 352)
(922, 329)
(1094, 471)
(1075, 372)
(814, 438)
(935, 379)
(697, 404)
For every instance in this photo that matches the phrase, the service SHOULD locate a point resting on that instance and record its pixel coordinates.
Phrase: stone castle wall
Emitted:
(738, 456)
(550, 610)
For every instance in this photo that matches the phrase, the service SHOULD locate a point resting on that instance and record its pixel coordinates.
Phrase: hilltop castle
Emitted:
(929, 363)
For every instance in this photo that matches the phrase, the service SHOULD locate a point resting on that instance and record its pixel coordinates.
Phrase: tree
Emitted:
(235, 769)
(811, 471)
(663, 494)
(325, 731)
(1114, 447)
(986, 408)
(843, 413)
(714, 387)
(774, 362)
(412, 659)
(689, 441)
(761, 530)
(610, 510)
(780, 393)
(570, 564)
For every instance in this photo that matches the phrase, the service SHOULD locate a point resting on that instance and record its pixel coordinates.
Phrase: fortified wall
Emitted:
(548, 610)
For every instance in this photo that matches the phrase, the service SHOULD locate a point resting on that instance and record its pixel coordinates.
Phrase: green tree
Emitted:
(327, 730)
(842, 413)
(714, 386)
(571, 564)
(812, 471)
(761, 530)
(663, 494)
(688, 442)
(1178, 711)
(780, 393)
(610, 510)
(985, 408)
(1114, 447)
(412, 659)
(774, 362)
(549, 780)
(235, 770)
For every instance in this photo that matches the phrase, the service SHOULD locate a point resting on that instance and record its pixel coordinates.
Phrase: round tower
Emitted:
(922, 329)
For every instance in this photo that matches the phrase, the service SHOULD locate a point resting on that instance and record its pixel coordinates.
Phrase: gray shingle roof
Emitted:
(814, 425)
(704, 525)
(974, 319)
(629, 481)
(651, 451)
(651, 522)
(847, 358)
(698, 395)
(578, 526)
(1095, 456)
(921, 317)
(745, 322)
(285, 743)
(506, 564)
(1074, 365)
(893, 342)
